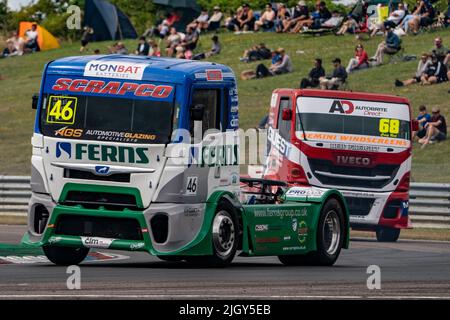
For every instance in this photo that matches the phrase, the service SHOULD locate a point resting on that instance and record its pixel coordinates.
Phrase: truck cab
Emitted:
(358, 143)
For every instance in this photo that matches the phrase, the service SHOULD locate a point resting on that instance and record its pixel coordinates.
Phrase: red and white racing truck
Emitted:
(358, 143)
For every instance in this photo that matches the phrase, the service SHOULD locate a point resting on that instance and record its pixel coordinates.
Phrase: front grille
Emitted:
(95, 200)
(329, 167)
(105, 227)
(359, 206)
(86, 175)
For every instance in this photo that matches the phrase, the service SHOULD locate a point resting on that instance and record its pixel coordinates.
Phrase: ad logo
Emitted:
(63, 146)
(342, 106)
(102, 170)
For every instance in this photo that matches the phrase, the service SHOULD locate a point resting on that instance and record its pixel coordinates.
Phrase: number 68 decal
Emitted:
(389, 127)
(61, 109)
(191, 186)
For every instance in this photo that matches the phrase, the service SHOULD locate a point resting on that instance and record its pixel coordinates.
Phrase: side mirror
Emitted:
(415, 125)
(197, 112)
(286, 115)
(34, 101)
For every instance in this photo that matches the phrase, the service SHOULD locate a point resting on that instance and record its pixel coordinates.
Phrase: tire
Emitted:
(65, 256)
(331, 232)
(225, 233)
(387, 234)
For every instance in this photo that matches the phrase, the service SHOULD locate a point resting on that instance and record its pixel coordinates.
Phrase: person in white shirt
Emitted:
(216, 18)
(31, 41)
(267, 20)
(394, 19)
(201, 23)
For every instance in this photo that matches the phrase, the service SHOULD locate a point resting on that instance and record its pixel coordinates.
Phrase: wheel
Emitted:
(171, 258)
(387, 234)
(330, 238)
(65, 256)
(225, 231)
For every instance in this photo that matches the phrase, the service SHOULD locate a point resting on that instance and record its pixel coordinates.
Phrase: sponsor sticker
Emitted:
(302, 232)
(305, 192)
(61, 109)
(96, 242)
(261, 227)
(214, 75)
(114, 69)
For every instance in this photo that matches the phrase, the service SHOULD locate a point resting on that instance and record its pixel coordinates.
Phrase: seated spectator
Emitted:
(336, 79)
(142, 47)
(391, 45)
(154, 50)
(436, 129)
(163, 28)
(173, 40)
(446, 18)
(360, 61)
(189, 43)
(423, 118)
(118, 48)
(394, 19)
(97, 51)
(422, 66)
(246, 19)
(180, 52)
(10, 50)
(300, 14)
(436, 72)
(201, 22)
(31, 42)
(314, 75)
(333, 22)
(258, 52)
(283, 15)
(423, 16)
(442, 53)
(267, 19)
(413, 13)
(87, 36)
(17, 43)
(216, 18)
(215, 49)
(232, 22)
(318, 17)
(282, 64)
(350, 25)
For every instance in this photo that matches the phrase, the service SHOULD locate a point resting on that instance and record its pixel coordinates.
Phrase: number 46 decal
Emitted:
(61, 109)
(191, 186)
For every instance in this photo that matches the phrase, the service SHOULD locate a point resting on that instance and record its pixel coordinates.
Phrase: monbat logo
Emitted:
(342, 106)
(114, 69)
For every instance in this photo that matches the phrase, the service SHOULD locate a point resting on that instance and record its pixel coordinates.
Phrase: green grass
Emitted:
(23, 79)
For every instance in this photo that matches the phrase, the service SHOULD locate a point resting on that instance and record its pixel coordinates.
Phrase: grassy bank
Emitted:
(23, 79)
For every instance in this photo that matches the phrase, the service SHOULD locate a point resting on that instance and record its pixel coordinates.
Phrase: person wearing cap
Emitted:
(436, 128)
(391, 45)
(336, 79)
(246, 19)
(201, 22)
(394, 19)
(360, 61)
(314, 75)
(300, 14)
(436, 72)
(442, 53)
(424, 62)
(216, 18)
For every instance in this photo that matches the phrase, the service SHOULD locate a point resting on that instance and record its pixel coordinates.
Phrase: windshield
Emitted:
(327, 119)
(107, 119)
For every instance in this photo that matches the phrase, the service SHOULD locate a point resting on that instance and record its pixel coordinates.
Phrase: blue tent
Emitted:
(108, 21)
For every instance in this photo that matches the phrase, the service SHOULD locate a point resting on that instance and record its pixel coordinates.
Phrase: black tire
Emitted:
(387, 234)
(326, 254)
(225, 234)
(171, 258)
(65, 256)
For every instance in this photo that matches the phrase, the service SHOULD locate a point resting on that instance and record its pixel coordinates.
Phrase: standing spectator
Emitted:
(142, 48)
(314, 75)
(423, 16)
(436, 72)
(283, 16)
(201, 23)
(360, 61)
(336, 79)
(216, 18)
(215, 49)
(423, 118)
(87, 36)
(436, 128)
(31, 41)
(394, 19)
(391, 45)
(442, 53)
(267, 19)
(246, 20)
(300, 14)
(422, 67)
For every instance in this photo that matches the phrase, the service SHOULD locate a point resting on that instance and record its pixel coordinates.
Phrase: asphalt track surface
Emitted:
(409, 269)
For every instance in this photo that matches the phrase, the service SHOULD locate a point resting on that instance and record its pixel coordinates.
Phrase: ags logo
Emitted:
(342, 106)
(69, 132)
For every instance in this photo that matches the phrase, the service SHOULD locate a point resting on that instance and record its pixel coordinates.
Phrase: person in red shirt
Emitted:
(360, 61)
